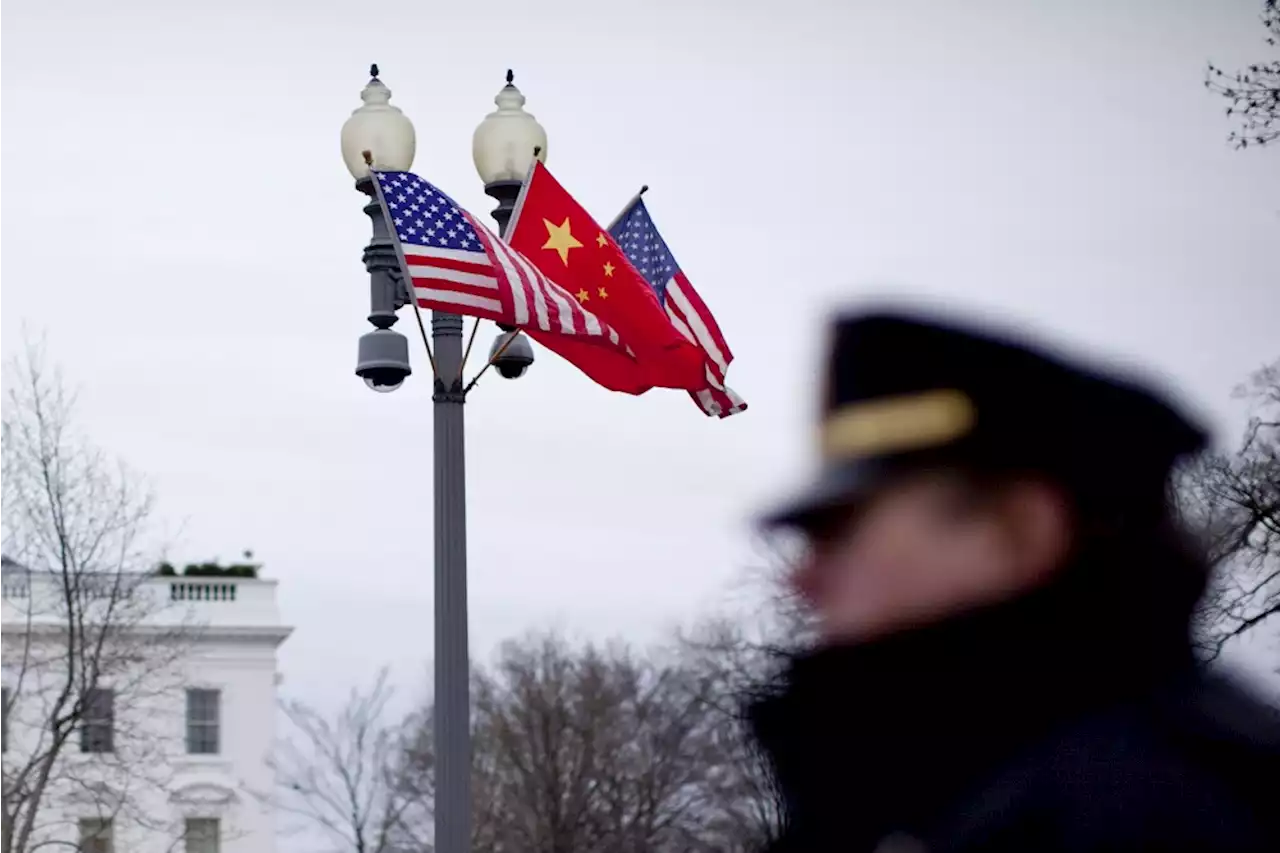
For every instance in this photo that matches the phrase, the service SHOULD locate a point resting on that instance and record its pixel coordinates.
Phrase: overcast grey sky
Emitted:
(178, 220)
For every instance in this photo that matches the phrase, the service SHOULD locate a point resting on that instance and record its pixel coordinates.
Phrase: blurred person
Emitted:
(1002, 598)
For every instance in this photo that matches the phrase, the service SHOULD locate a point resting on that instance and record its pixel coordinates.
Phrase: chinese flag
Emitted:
(561, 239)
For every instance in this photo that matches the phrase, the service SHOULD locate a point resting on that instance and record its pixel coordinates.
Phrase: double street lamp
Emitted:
(379, 136)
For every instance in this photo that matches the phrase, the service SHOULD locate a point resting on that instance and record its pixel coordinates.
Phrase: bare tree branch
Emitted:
(78, 619)
(1233, 501)
(338, 776)
(1252, 93)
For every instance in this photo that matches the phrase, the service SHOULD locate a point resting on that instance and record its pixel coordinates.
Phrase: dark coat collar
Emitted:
(884, 737)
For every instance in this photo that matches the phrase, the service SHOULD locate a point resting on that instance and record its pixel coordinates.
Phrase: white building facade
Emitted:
(175, 724)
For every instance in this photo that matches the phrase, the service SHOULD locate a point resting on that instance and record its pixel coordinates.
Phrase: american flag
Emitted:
(638, 237)
(457, 265)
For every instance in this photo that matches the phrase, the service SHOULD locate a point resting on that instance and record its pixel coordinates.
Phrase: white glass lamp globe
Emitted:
(379, 130)
(503, 145)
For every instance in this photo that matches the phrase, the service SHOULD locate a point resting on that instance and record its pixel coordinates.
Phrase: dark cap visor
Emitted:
(835, 488)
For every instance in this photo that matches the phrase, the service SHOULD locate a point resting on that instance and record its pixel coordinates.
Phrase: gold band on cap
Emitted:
(897, 424)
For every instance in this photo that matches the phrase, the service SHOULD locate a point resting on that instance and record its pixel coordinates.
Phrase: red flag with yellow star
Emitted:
(561, 239)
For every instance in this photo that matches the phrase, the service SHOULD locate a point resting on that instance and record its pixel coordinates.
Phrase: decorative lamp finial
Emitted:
(377, 135)
(504, 141)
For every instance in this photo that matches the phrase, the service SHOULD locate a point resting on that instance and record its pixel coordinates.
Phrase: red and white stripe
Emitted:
(498, 283)
(689, 314)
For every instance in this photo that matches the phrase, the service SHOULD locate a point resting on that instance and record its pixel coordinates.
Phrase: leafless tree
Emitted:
(339, 776)
(1233, 500)
(742, 810)
(1253, 93)
(589, 748)
(78, 623)
(595, 750)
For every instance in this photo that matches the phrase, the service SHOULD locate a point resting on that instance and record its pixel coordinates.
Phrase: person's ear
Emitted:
(1038, 524)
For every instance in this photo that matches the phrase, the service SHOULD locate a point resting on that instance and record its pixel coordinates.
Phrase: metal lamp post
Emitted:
(378, 135)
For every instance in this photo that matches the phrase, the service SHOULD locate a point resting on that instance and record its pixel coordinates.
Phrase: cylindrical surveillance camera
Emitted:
(512, 359)
(383, 360)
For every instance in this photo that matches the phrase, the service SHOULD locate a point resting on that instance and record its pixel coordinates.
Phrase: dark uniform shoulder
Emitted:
(1211, 707)
(1193, 768)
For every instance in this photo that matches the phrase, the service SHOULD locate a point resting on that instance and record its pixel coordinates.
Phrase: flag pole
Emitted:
(635, 198)
(466, 353)
(502, 233)
(518, 208)
(511, 331)
(511, 336)
(405, 280)
(422, 330)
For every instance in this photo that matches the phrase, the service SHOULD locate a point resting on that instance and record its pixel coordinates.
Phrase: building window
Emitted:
(4, 726)
(203, 713)
(97, 721)
(95, 835)
(201, 835)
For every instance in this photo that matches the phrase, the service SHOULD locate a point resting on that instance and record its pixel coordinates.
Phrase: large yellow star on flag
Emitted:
(560, 238)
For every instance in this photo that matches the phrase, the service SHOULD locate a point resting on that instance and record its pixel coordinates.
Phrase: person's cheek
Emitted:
(863, 587)
(982, 564)
(807, 578)
(964, 570)
(918, 565)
